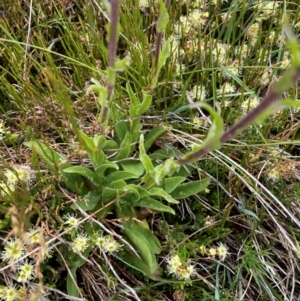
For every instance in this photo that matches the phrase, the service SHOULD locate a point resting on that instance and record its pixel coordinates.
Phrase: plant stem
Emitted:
(291, 76)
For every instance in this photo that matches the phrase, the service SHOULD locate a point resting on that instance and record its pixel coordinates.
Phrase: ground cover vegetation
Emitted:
(149, 150)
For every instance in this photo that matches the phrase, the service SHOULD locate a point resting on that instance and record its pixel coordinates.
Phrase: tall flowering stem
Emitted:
(160, 32)
(113, 35)
(276, 90)
(290, 77)
(112, 52)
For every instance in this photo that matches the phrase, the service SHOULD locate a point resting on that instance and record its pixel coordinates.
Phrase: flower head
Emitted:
(27, 268)
(250, 103)
(286, 61)
(199, 92)
(220, 52)
(212, 252)
(274, 174)
(198, 17)
(6, 188)
(46, 252)
(26, 272)
(234, 69)
(71, 220)
(99, 241)
(222, 251)
(174, 263)
(110, 245)
(226, 88)
(181, 270)
(202, 250)
(242, 50)
(34, 236)
(186, 26)
(267, 9)
(253, 30)
(265, 79)
(80, 243)
(24, 173)
(144, 4)
(10, 293)
(11, 176)
(2, 129)
(186, 272)
(13, 250)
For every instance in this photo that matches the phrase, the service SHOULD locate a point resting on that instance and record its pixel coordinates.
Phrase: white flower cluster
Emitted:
(182, 270)
(106, 243)
(221, 251)
(14, 249)
(81, 242)
(13, 177)
(9, 293)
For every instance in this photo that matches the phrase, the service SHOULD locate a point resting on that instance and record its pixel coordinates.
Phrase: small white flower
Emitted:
(202, 250)
(273, 174)
(10, 293)
(71, 220)
(242, 51)
(174, 263)
(13, 250)
(250, 103)
(253, 30)
(22, 278)
(222, 251)
(26, 272)
(111, 246)
(181, 270)
(100, 240)
(24, 173)
(144, 4)
(212, 252)
(265, 78)
(286, 61)
(226, 88)
(80, 243)
(198, 17)
(34, 236)
(199, 92)
(6, 188)
(234, 69)
(187, 272)
(220, 52)
(11, 176)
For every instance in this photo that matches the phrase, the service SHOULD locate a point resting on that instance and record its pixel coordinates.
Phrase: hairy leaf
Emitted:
(144, 242)
(187, 189)
(169, 184)
(156, 191)
(85, 172)
(153, 135)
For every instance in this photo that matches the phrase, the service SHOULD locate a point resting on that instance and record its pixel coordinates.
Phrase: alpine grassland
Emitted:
(149, 150)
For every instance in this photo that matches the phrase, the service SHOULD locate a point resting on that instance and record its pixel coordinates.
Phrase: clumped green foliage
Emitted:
(112, 186)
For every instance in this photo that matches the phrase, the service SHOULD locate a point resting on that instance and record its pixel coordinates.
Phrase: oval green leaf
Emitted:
(187, 189)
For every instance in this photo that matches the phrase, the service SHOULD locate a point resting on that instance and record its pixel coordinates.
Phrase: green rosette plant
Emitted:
(125, 175)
